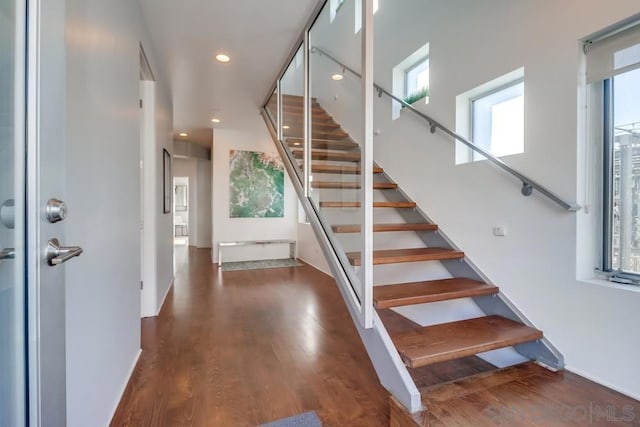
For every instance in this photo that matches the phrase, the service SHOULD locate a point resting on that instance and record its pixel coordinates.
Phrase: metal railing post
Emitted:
(307, 116)
(366, 166)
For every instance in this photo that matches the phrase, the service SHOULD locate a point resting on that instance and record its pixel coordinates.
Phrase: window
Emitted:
(335, 7)
(613, 71)
(376, 6)
(410, 79)
(416, 84)
(497, 120)
(622, 173)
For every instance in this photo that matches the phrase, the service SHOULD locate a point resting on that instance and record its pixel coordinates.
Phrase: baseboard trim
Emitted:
(603, 383)
(328, 273)
(164, 298)
(126, 384)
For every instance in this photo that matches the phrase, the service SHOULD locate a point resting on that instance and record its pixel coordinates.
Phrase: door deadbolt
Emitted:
(8, 214)
(55, 211)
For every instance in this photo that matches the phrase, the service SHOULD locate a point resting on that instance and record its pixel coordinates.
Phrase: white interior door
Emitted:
(13, 371)
(142, 185)
(47, 251)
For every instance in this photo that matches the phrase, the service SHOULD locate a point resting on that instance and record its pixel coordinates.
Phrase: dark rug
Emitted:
(308, 419)
(258, 265)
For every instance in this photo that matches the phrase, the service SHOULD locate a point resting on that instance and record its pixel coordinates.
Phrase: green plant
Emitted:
(417, 95)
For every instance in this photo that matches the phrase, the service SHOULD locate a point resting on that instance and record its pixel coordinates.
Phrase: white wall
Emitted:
(254, 137)
(199, 173)
(103, 286)
(535, 264)
(309, 249)
(203, 198)
(164, 222)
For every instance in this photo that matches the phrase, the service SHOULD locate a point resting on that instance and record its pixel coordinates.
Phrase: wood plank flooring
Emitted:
(244, 348)
(527, 395)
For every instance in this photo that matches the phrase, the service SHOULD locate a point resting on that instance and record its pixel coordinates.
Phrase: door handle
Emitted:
(8, 253)
(57, 254)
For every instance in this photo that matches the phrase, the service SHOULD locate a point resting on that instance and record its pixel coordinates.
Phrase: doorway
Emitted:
(147, 189)
(180, 220)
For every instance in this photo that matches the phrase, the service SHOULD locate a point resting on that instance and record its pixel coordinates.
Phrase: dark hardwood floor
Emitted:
(244, 348)
(249, 347)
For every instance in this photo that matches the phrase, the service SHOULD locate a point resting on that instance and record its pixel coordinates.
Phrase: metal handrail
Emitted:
(528, 184)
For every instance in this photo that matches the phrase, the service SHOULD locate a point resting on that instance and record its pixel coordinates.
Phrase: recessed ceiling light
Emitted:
(285, 127)
(337, 77)
(223, 58)
(215, 120)
(296, 143)
(184, 134)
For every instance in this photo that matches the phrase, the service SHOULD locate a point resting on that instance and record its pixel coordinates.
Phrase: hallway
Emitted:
(249, 347)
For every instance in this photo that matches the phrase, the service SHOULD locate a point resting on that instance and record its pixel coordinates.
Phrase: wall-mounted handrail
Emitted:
(528, 184)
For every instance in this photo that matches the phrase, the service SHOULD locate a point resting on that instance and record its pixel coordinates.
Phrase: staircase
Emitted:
(335, 169)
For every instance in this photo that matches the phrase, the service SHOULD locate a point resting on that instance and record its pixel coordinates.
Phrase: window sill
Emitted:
(467, 155)
(611, 285)
(417, 103)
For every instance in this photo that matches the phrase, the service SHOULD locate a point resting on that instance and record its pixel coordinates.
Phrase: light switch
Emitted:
(499, 231)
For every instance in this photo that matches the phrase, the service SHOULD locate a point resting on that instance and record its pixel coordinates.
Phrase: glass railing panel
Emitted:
(336, 127)
(292, 90)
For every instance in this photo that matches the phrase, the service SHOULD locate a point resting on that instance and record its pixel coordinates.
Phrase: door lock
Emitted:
(55, 211)
(57, 254)
(8, 214)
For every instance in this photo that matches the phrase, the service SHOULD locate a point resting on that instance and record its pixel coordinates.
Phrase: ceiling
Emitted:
(186, 36)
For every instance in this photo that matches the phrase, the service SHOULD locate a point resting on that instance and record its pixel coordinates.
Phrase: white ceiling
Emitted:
(187, 34)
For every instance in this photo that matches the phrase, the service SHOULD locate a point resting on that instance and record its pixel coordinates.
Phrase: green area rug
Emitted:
(259, 265)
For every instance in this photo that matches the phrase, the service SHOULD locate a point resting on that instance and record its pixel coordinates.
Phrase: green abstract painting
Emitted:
(256, 183)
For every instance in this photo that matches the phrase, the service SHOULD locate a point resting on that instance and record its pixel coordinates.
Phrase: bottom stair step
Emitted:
(454, 340)
(482, 382)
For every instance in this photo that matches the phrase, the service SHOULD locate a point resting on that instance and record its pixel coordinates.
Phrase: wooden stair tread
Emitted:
(454, 340)
(299, 107)
(339, 169)
(382, 228)
(331, 144)
(295, 133)
(393, 256)
(429, 291)
(293, 99)
(330, 155)
(375, 204)
(320, 135)
(322, 115)
(315, 125)
(353, 185)
(396, 323)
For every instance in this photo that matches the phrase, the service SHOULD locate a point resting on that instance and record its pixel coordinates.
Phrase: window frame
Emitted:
(608, 142)
(415, 65)
(475, 155)
(607, 171)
